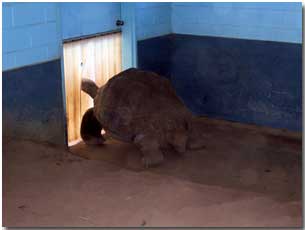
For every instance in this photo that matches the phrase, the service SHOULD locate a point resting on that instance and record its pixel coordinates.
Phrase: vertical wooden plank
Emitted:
(118, 53)
(77, 91)
(98, 59)
(88, 71)
(98, 45)
(72, 87)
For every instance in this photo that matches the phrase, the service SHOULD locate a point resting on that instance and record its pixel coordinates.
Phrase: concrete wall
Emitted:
(33, 106)
(33, 103)
(129, 36)
(234, 61)
(154, 54)
(258, 21)
(248, 81)
(79, 19)
(31, 33)
(152, 19)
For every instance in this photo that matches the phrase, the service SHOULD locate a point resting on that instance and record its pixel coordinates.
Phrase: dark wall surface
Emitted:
(33, 103)
(154, 55)
(250, 81)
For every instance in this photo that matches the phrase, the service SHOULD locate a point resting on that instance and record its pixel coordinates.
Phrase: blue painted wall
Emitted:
(32, 80)
(258, 21)
(32, 103)
(79, 19)
(249, 81)
(235, 61)
(155, 54)
(129, 36)
(209, 68)
(152, 19)
(31, 33)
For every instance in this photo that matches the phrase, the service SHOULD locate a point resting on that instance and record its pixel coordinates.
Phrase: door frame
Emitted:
(128, 43)
(129, 38)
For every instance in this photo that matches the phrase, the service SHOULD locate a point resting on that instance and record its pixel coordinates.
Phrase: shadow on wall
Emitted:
(33, 103)
(250, 81)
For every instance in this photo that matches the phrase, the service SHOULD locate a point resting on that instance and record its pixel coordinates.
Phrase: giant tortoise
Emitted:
(140, 107)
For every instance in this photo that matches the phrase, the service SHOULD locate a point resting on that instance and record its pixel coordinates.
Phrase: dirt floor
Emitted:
(244, 176)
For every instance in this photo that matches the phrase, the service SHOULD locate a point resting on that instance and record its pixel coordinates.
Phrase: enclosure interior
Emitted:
(236, 66)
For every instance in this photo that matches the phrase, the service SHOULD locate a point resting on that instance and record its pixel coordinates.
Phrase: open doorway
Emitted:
(97, 58)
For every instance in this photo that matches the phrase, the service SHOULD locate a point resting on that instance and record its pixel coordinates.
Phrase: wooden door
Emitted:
(97, 58)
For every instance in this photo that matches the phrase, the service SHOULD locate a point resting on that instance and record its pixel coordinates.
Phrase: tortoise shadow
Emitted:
(235, 156)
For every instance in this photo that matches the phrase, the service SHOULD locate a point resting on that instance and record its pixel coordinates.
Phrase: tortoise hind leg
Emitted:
(91, 129)
(178, 140)
(150, 148)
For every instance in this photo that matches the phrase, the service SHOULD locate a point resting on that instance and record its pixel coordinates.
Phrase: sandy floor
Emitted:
(244, 176)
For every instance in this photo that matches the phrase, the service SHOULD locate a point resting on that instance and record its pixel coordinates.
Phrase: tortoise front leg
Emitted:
(91, 129)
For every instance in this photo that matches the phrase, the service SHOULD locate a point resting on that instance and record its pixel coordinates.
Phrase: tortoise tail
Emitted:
(89, 87)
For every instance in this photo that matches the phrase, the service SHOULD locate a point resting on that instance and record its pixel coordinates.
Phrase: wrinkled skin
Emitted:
(139, 107)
